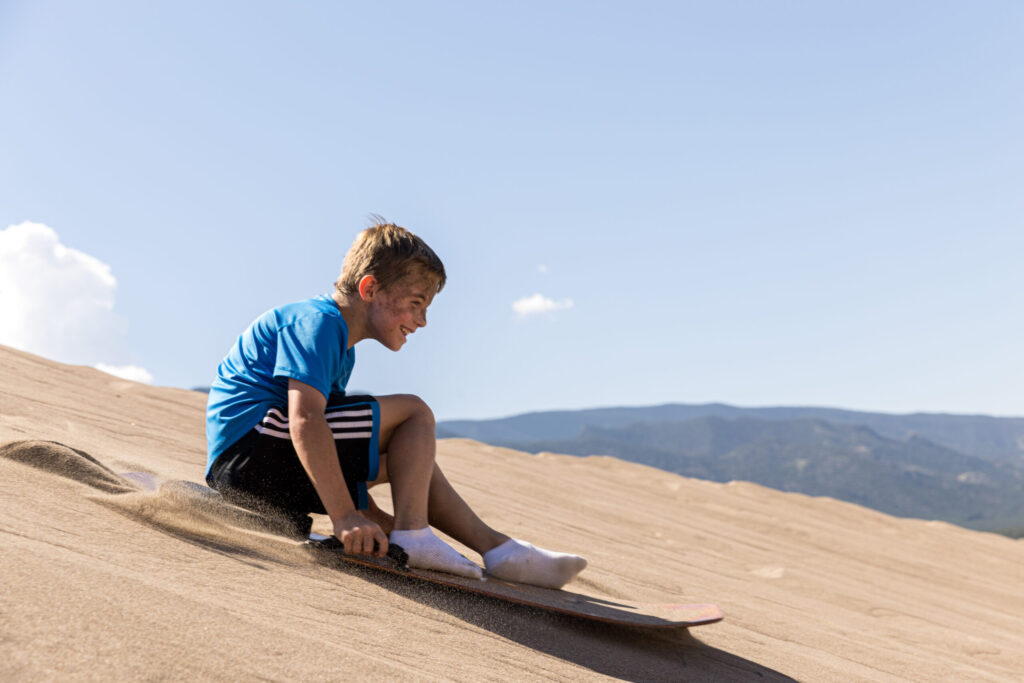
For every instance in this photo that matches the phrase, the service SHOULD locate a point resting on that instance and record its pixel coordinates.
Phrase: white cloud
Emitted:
(132, 372)
(56, 301)
(542, 268)
(538, 303)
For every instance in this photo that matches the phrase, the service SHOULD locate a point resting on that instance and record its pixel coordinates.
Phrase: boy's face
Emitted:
(401, 309)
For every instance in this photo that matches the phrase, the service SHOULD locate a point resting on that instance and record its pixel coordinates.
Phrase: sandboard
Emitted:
(329, 550)
(622, 612)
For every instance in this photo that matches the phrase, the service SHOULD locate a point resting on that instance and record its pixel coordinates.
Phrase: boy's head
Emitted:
(389, 253)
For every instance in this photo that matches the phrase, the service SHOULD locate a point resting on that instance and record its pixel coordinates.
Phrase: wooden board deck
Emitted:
(622, 612)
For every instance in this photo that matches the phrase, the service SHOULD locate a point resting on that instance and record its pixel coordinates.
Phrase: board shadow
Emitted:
(624, 652)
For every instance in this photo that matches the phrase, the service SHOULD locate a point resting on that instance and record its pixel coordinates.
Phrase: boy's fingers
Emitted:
(368, 542)
(355, 543)
(365, 539)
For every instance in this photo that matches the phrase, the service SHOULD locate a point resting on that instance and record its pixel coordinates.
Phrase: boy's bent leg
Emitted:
(504, 557)
(446, 509)
(407, 436)
(452, 515)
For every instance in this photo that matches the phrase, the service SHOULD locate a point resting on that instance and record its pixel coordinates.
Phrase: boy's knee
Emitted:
(420, 411)
(404, 409)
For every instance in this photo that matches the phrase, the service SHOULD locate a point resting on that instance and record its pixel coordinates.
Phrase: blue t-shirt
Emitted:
(306, 341)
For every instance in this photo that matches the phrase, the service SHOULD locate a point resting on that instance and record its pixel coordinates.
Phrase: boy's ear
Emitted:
(367, 287)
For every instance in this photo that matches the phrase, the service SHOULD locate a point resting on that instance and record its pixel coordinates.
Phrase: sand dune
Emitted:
(101, 580)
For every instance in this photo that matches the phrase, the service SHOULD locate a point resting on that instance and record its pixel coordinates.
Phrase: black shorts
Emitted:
(262, 470)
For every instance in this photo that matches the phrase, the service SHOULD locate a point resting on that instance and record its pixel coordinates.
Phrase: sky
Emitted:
(754, 202)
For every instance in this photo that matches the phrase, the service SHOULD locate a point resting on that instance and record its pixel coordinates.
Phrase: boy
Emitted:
(283, 436)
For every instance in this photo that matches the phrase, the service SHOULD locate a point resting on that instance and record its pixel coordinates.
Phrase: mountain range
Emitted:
(963, 469)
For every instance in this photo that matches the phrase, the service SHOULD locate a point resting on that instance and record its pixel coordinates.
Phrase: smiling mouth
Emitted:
(405, 330)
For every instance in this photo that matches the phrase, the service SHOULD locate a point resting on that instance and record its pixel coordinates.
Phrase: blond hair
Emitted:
(388, 252)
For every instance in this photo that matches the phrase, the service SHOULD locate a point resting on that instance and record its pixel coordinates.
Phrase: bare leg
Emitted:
(511, 559)
(452, 515)
(407, 437)
(407, 446)
(423, 494)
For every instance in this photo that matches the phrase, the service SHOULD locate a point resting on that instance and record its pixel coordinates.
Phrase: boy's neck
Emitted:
(353, 310)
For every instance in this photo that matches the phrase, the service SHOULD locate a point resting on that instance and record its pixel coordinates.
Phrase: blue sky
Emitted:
(761, 203)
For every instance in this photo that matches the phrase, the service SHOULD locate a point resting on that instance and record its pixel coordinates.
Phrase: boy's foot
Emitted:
(427, 551)
(516, 560)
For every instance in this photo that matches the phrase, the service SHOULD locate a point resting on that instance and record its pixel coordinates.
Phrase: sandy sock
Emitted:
(427, 551)
(516, 560)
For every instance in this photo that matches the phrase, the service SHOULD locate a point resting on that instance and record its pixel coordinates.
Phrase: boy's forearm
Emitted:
(314, 444)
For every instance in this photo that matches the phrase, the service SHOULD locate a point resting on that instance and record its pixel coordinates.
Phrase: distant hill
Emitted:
(993, 438)
(899, 464)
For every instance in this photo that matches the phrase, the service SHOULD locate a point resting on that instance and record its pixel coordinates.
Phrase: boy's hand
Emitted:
(374, 513)
(358, 534)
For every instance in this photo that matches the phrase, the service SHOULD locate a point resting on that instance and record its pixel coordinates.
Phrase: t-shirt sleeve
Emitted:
(309, 350)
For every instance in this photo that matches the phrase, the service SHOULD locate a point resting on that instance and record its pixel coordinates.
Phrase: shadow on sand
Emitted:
(628, 653)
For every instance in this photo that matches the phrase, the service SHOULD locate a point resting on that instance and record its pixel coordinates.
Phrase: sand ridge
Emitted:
(101, 579)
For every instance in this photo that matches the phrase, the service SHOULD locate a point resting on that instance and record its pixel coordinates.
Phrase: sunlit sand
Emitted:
(103, 580)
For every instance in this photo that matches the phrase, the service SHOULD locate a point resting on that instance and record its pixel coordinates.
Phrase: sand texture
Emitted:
(100, 580)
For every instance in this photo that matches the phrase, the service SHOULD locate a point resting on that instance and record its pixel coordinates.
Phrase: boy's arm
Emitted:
(314, 443)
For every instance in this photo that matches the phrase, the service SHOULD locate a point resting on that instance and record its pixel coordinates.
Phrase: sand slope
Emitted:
(99, 580)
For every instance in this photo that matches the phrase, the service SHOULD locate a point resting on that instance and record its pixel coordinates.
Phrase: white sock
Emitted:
(427, 551)
(516, 560)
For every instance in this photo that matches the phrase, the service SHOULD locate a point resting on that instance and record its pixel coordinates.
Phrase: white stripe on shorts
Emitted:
(362, 412)
(279, 434)
(275, 424)
(269, 431)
